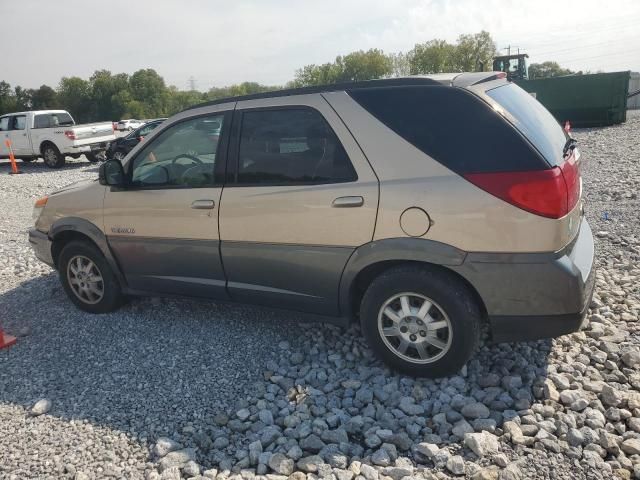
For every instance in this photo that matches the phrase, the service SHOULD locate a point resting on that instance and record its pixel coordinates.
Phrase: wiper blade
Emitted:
(569, 146)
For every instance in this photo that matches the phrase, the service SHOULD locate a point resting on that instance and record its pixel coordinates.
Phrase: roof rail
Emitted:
(386, 82)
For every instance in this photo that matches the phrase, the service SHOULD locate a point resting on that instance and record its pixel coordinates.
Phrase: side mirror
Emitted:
(111, 173)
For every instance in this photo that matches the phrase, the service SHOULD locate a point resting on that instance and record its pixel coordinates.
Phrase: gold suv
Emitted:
(421, 207)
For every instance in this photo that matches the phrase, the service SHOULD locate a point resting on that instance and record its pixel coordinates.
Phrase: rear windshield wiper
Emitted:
(569, 146)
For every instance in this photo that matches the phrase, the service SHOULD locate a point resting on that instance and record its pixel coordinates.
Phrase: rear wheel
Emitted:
(421, 321)
(88, 279)
(52, 156)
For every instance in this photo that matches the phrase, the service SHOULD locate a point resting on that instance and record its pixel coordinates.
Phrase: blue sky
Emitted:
(219, 43)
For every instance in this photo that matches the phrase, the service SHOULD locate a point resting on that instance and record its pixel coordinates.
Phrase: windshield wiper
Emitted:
(569, 146)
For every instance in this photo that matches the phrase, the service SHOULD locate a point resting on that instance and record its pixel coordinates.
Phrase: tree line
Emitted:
(144, 94)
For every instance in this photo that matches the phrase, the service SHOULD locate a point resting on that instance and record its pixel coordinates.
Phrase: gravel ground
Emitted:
(179, 389)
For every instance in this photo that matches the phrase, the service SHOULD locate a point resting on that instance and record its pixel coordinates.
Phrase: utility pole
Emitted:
(192, 83)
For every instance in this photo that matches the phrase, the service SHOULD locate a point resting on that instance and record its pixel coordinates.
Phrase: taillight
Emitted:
(549, 193)
(70, 134)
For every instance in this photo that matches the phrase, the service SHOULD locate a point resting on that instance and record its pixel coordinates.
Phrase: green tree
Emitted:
(104, 87)
(245, 88)
(434, 56)
(7, 98)
(74, 95)
(354, 67)
(547, 69)
(44, 98)
(22, 98)
(148, 88)
(400, 64)
(474, 53)
(180, 100)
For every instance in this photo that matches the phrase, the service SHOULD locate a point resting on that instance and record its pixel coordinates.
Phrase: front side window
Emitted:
(4, 124)
(184, 155)
(290, 147)
(19, 122)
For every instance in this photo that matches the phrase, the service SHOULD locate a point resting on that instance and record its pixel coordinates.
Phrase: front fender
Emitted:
(88, 229)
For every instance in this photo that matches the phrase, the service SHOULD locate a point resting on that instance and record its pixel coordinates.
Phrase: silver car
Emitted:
(420, 207)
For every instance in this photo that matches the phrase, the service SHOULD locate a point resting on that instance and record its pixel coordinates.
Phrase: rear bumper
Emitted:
(41, 246)
(537, 295)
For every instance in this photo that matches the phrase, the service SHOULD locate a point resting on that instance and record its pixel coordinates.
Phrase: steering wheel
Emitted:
(187, 156)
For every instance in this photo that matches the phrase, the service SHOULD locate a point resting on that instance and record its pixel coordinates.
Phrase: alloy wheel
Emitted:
(85, 279)
(415, 328)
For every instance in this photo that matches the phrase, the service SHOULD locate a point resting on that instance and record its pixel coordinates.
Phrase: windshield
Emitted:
(533, 120)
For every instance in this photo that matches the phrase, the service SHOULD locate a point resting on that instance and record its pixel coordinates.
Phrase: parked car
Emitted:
(422, 208)
(119, 148)
(129, 124)
(53, 135)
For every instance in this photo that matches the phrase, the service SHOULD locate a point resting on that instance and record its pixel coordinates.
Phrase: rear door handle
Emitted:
(346, 202)
(203, 204)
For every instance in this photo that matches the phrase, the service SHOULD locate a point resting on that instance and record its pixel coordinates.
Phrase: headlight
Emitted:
(38, 207)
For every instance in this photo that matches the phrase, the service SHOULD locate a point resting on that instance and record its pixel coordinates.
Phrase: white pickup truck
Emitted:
(52, 135)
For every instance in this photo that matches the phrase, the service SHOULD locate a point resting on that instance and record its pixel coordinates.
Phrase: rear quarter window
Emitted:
(453, 126)
(532, 119)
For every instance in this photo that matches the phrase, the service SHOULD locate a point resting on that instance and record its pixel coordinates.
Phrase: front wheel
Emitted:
(118, 155)
(88, 279)
(421, 321)
(95, 157)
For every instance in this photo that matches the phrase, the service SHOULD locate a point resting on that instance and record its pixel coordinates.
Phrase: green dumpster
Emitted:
(584, 100)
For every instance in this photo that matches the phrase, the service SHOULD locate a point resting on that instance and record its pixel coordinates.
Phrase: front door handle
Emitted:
(346, 202)
(203, 204)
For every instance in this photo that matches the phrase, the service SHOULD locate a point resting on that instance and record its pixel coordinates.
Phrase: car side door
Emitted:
(18, 135)
(300, 197)
(163, 226)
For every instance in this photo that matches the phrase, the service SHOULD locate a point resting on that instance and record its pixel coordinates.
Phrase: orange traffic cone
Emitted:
(14, 165)
(6, 340)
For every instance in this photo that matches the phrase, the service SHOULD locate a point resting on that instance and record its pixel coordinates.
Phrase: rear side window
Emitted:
(453, 126)
(533, 120)
(290, 147)
(51, 120)
(4, 124)
(41, 121)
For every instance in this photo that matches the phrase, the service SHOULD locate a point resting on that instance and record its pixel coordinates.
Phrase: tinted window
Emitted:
(61, 119)
(451, 125)
(533, 120)
(182, 155)
(51, 120)
(19, 123)
(292, 146)
(4, 124)
(41, 121)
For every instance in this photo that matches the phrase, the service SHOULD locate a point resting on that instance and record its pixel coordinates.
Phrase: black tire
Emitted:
(94, 157)
(52, 156)
(448, 294)
(112, 297)
(118, 155)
